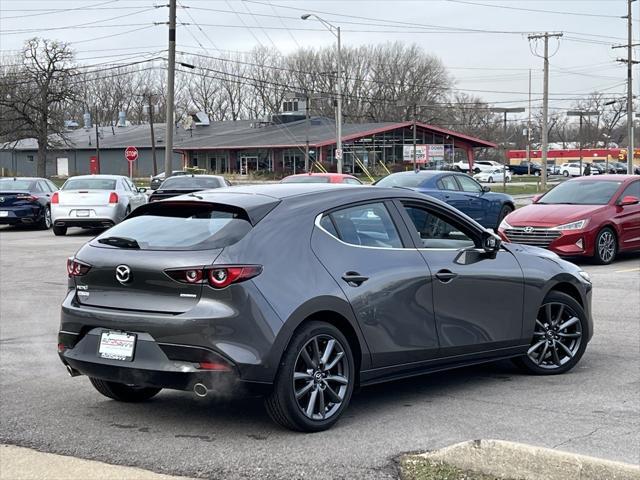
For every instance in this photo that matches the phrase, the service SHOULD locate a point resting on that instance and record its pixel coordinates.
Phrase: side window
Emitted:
(632, 190)
(351, 181)
(367, 225)
(52, 186)
(38, 187)
(327, 224)
(447, 183)
(468, 185)
(436, 232)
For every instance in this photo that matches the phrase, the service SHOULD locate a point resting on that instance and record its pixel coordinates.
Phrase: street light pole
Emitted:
(336, 32)
(506, 111)
(581, 114)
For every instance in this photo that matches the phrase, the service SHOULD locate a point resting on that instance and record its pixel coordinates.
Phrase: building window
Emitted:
(290, 106)
(29, 158)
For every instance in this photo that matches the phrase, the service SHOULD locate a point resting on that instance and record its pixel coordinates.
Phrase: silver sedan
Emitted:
(94, 201)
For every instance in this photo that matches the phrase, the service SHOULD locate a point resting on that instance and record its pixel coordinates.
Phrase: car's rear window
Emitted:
(306, 179)
(9, 184)
(89, 184)
(183, 227)
(184, 182)
(410, 180)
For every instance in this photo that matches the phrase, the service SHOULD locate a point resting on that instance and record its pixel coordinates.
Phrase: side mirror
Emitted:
(629, 200)
(490, 242)
(536, 197)
(486, 189)
(142, 189)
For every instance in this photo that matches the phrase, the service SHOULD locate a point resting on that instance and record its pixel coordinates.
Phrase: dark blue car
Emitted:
(26, 201)
(458, 190)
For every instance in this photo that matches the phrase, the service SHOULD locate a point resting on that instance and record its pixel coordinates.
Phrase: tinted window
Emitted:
(468, 185)
(448, 183)
(89, 184)
(184, 182)
(368, 225)
(584, 192)
(352, 181)
(327, 224)
(632, 190)
(410, 180)
(9, 184)
(183, 228)
(306, 179)
(435, 232)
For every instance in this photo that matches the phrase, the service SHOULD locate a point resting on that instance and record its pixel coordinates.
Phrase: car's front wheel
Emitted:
(559, 336)
(606, 246)
(565, 173)
(315, 380)
(122, 392)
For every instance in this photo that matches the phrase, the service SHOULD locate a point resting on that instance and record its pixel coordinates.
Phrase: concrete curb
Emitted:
(525, 462)
(18, 463)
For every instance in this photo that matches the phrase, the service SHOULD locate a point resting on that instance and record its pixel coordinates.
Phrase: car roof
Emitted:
(31, 179)
(102, 176)
(322, 174)
(606, 178)
(198, 175)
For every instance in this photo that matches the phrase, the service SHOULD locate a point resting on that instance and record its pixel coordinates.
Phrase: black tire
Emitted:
(504, 211)
(571, 307)
(59, 231)
(45, 222)
(536, 173)
(476, 170)
(122, 392)
(282, 405)
(490, 179)
(565, 173)
(606, 246)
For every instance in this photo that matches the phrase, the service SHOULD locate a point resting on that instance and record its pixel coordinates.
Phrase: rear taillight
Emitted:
(76, 268)
(216, 277)
(113, 197)
(55, 198)
(27, 197)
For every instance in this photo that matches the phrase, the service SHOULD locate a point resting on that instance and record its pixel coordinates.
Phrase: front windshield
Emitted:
(409, 180)
(583, 192)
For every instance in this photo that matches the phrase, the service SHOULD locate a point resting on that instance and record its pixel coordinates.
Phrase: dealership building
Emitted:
(278, 144)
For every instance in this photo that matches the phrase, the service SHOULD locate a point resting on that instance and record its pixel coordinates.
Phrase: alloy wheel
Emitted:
(321, 377)
(47, 218)
(557, 336)
(606, 246)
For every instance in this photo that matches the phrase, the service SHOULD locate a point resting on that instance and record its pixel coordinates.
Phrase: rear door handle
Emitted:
(354, 279)
(445, 276)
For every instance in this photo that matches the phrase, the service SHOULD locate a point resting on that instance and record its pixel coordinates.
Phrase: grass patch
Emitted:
(418, 468)
(515, 189)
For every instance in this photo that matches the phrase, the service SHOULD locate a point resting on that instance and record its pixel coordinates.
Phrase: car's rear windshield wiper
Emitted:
(120, 242)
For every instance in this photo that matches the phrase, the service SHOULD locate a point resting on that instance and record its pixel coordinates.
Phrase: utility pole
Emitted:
(153, 136)
(529, 128)
(97, 140)
(545, 103)
(171, 72)
(415, 139)
(630, 62)
(506, 111)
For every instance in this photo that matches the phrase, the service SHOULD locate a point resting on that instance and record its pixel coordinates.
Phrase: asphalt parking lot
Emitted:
(593, 410)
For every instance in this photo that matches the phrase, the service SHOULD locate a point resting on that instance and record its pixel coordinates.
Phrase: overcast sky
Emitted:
(483, 43)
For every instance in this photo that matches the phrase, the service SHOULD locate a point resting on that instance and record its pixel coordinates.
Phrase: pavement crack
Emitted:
(572, 439)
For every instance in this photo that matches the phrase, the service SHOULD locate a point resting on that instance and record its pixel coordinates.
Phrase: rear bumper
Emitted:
(153, 365)
(86, 216)
(20, 215)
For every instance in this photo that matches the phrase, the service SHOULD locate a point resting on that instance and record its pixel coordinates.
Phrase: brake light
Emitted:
(76, 268)
(55, 198)
(214, 366)
(113, 197)
(27, 197)
(216, 277)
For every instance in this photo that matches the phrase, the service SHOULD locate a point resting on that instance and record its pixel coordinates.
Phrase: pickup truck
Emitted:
(526, 168)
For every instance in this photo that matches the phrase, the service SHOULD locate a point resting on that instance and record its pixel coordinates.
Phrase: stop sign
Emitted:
(131, 154)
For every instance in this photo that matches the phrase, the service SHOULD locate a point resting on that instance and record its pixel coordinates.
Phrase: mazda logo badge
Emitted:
(123, 274)
(528, 229)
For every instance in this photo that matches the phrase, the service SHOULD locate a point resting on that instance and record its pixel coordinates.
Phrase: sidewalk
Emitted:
(17, 463)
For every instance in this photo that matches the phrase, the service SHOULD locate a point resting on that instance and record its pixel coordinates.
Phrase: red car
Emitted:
(586, 216)
(322, 178)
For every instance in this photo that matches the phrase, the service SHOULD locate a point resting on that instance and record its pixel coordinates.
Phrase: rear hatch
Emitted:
(147, 247)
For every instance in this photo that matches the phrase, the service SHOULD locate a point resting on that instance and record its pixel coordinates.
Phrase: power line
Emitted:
(53, 11)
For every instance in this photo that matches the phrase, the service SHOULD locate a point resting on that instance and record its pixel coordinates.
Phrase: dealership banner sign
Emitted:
(421, 153)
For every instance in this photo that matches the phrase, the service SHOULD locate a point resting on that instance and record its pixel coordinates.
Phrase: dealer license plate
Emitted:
(4, 213)
(117, 345)
(82, 213)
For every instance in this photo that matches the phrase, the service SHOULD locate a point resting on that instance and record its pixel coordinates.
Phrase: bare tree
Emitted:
(34, 92)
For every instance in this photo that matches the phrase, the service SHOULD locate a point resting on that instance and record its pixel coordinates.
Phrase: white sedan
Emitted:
(495, 175)
(94, 201)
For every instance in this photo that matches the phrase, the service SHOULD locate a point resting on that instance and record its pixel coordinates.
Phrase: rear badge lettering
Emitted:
(188, 295)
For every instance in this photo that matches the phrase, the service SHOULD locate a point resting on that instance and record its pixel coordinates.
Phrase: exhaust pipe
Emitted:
(71, 371)
(200, 390)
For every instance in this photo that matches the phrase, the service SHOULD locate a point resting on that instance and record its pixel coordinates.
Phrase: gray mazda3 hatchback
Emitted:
(308, 291)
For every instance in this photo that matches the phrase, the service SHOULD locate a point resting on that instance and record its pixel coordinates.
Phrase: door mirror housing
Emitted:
(490, 242)
(629, 200)
(536, 197)
(486, 189)
(142, 190)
